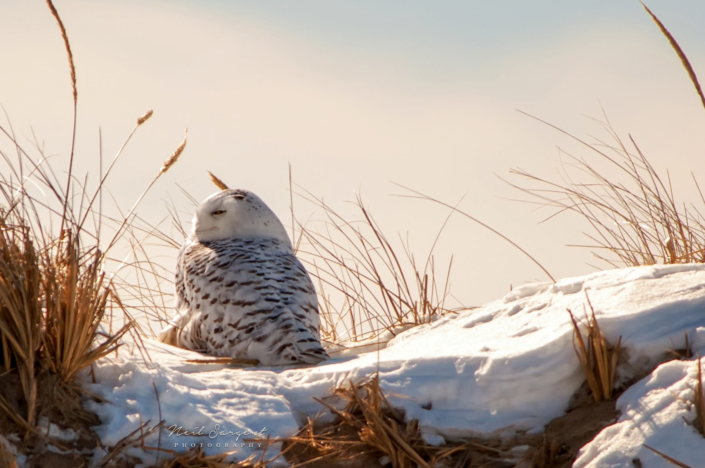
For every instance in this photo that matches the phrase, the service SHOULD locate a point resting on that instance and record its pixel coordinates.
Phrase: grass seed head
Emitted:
(145, 117)
(175, 155)
(217, 182)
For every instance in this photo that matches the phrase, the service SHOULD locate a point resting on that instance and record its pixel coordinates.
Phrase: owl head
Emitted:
(236, 214)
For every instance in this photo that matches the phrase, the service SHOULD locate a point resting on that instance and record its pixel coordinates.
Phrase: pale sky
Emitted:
(358, 94)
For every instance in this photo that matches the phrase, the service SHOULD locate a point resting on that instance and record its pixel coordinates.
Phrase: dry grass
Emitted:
(7, 459)
(635, 217)
(637, 220)
(365, 284)
(365, 430)
(368, 429)
(52, 293)
(55, 299)
(684, 353)
(681, 55)
(669, 459)
(598, 358)
(196, 458)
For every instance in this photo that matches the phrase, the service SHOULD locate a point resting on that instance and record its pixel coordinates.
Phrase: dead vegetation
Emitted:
(369, 432)
(7, 458)
(598, 358)
(54, 299)
(374, 286)
(686, 352)
(636, 218)
(198, 459)
(54, 296)
(368, 429)
(639, 225)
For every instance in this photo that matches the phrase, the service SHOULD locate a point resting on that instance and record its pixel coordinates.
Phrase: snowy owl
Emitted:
(240, 291)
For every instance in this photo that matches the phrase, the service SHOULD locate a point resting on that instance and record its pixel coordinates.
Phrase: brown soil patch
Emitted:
(62, 406)
(573, 430)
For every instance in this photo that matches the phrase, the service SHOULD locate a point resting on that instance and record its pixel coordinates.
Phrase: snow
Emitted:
(509, 365)
(53, 431)
(657, 412)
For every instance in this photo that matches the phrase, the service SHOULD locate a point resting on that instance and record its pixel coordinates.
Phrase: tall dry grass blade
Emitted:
(367, 287)
(65, 37)
(680, 53)
(74, 89)
(632, 211)
(174, 156)
(668, 458)
(584, 356)
(7, 459)
(128, 219)
(75, 304)
(104, 176)
(486, 226)
(20, 305)
(365, 429)
(598, 359)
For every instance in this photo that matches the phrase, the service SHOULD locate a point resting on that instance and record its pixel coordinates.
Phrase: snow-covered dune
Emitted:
(509, 365)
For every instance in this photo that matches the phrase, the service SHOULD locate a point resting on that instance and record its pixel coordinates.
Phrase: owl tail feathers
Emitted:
(310, 354)
(179, 332)
(314, 356)
(168, 335)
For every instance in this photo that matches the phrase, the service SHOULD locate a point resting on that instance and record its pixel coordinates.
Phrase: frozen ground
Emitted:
(509, 365)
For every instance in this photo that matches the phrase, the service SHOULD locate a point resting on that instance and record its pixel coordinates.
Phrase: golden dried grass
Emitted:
(668, 458)
(684, 353)
(7, 459)
(196, 458)
(598, 358)
(365, 430)
(636, 220)
(217, 182)
(681, 55)
(115, 457)
(67, 46)
(54, 296)
(632, 212)
(364, 284)
(20, 311)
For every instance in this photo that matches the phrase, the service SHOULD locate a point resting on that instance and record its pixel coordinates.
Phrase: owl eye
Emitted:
(218, 212)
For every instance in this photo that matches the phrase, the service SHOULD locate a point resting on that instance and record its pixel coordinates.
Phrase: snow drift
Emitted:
(509, 365)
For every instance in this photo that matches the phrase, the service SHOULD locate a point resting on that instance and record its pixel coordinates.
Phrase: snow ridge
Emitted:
(509, 365)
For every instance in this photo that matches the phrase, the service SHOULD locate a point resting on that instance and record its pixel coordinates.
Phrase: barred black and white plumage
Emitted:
(240, 290)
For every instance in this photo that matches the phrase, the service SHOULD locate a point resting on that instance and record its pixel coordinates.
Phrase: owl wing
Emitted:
(183, 329)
